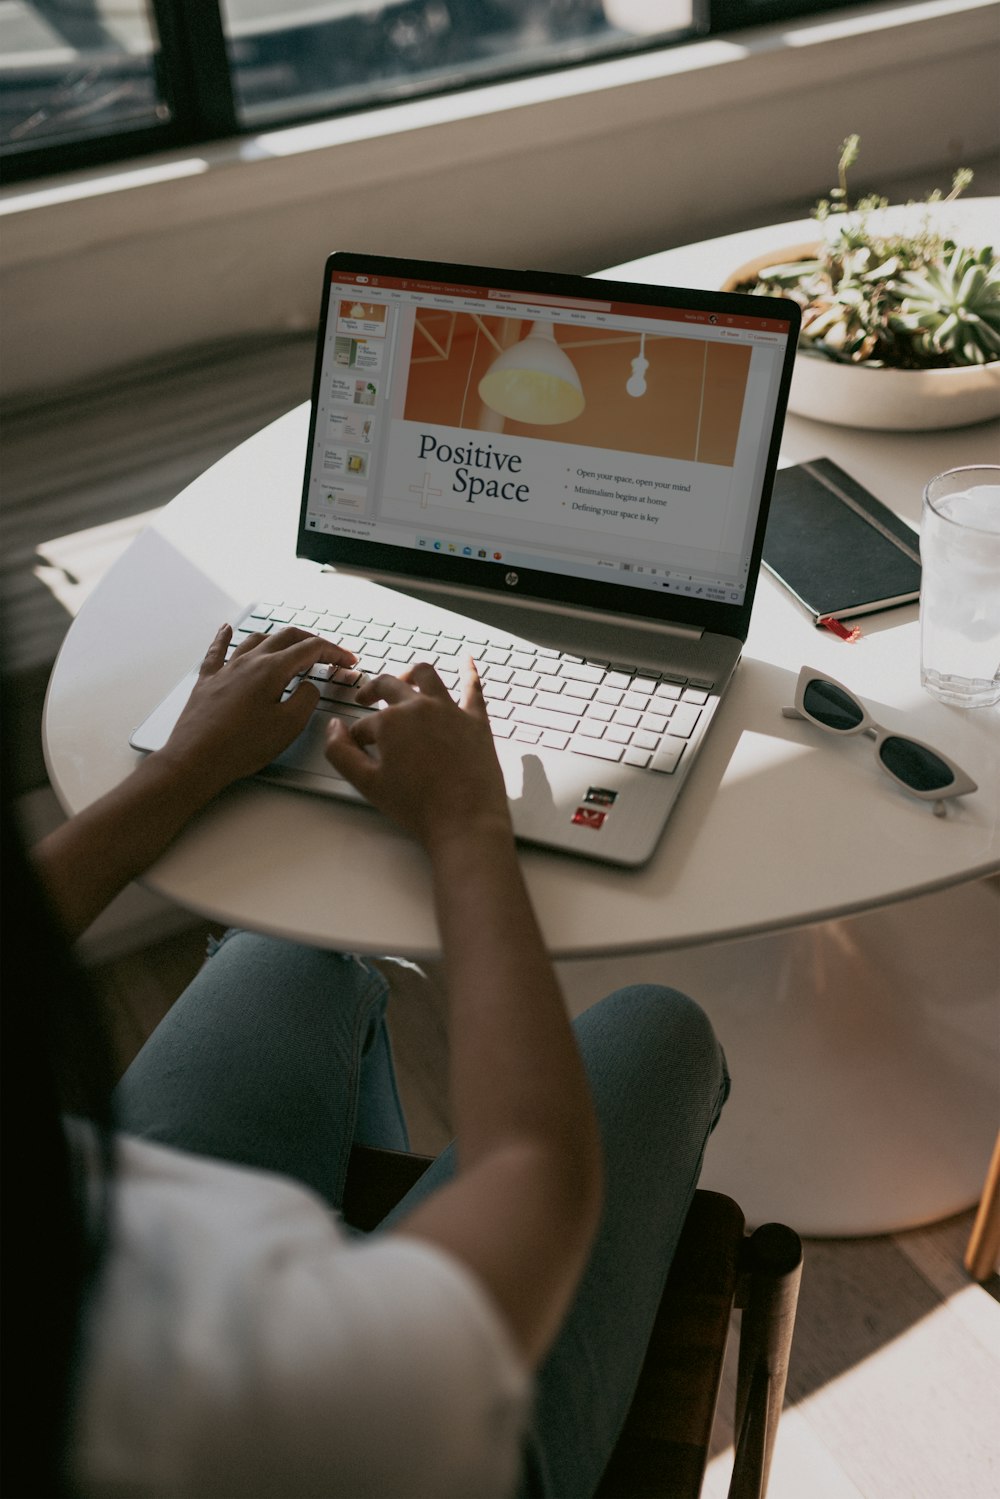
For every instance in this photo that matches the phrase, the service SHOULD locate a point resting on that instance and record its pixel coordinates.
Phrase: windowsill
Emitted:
(575, 169)
(732, 68)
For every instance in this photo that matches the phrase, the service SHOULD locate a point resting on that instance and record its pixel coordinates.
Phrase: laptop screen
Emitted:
(578, 436)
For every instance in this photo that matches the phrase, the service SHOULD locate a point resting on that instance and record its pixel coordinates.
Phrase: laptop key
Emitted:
(581, 673)
(545, 720)
(637, 757)
(598, 749)
(667, 757)
(339, 692)
(683, 719)
(557, 704)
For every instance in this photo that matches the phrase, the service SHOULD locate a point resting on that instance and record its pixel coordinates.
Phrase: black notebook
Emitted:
(837, 548)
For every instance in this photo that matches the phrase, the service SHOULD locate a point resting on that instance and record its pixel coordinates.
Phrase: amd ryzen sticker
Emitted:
(589, 817)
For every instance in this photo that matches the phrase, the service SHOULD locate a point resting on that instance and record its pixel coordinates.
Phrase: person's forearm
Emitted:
(87, 861)
(516, 1073)
(522, 1211)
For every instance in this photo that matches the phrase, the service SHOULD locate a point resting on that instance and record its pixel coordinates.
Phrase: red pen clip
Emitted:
(850, 633)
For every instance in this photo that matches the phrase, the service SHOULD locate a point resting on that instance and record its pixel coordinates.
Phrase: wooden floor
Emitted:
(895, 1372)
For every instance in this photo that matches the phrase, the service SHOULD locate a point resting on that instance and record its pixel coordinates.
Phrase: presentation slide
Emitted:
(553, 428)
(580, 386)
(365, 320)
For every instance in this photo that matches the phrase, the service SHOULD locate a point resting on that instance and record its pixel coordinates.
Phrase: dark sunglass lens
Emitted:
(830, 706)
(916, 767)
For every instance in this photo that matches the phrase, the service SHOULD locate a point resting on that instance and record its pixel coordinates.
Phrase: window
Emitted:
(87, 81)
(69, 71)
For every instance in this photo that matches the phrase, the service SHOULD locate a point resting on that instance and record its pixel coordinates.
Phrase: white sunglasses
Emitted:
(919, 769)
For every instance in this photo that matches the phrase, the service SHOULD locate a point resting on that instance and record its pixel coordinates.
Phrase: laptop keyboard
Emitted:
(605, 710)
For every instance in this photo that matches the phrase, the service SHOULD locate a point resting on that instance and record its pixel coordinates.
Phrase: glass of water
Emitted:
(960, 587)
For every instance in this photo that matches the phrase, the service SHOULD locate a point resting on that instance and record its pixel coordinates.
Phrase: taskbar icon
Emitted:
(458, 549)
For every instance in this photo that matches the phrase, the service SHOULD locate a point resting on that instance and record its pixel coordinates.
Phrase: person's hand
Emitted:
(424, 761)
(235, 722)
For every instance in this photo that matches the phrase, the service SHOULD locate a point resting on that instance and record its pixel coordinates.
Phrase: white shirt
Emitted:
(240, 1343)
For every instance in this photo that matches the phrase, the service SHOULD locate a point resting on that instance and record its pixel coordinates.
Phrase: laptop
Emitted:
(567, 478)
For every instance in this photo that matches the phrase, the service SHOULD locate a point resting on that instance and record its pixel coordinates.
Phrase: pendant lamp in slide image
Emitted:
(534, 381)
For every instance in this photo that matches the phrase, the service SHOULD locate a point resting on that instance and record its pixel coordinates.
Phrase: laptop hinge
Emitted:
(459, 600)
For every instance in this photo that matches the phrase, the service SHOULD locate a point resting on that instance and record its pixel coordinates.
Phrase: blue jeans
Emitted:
(277, 1056)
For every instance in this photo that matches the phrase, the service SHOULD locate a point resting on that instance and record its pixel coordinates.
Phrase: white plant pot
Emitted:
(851, 395)
(894, 400)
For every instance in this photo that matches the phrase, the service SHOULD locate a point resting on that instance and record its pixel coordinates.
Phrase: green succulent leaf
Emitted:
(910, 300)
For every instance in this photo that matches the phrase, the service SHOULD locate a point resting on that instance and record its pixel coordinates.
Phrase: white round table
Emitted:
(865, 1095)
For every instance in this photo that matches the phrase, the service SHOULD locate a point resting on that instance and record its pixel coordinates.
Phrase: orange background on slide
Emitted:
(663, 423)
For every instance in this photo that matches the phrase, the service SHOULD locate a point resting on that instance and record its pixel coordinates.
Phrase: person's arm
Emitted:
(233, 725)
(523, 1209)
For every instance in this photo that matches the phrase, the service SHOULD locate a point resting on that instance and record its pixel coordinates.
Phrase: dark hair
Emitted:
(55, 1059)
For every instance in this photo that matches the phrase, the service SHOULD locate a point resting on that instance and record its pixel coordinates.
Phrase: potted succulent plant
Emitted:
(889, 290)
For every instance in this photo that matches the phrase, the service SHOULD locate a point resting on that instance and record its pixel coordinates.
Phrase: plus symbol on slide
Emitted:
(423, 489)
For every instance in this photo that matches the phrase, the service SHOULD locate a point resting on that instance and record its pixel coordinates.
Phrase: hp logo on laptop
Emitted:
(510, 579)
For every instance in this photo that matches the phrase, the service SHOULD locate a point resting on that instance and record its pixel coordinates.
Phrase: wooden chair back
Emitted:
(663, 1449)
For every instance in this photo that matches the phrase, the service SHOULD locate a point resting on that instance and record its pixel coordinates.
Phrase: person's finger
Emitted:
(471, 699)
(248, 643)
(425, 679)
(300, 656)
(386, 688)
(364, 730)
(299, 706)
(348, 757)
(280, 640)
(215, 656)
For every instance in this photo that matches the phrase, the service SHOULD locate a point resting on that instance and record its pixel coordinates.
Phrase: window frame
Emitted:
(194, 79)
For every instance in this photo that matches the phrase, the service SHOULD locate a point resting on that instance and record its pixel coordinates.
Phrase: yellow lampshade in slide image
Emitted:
(534, 381)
